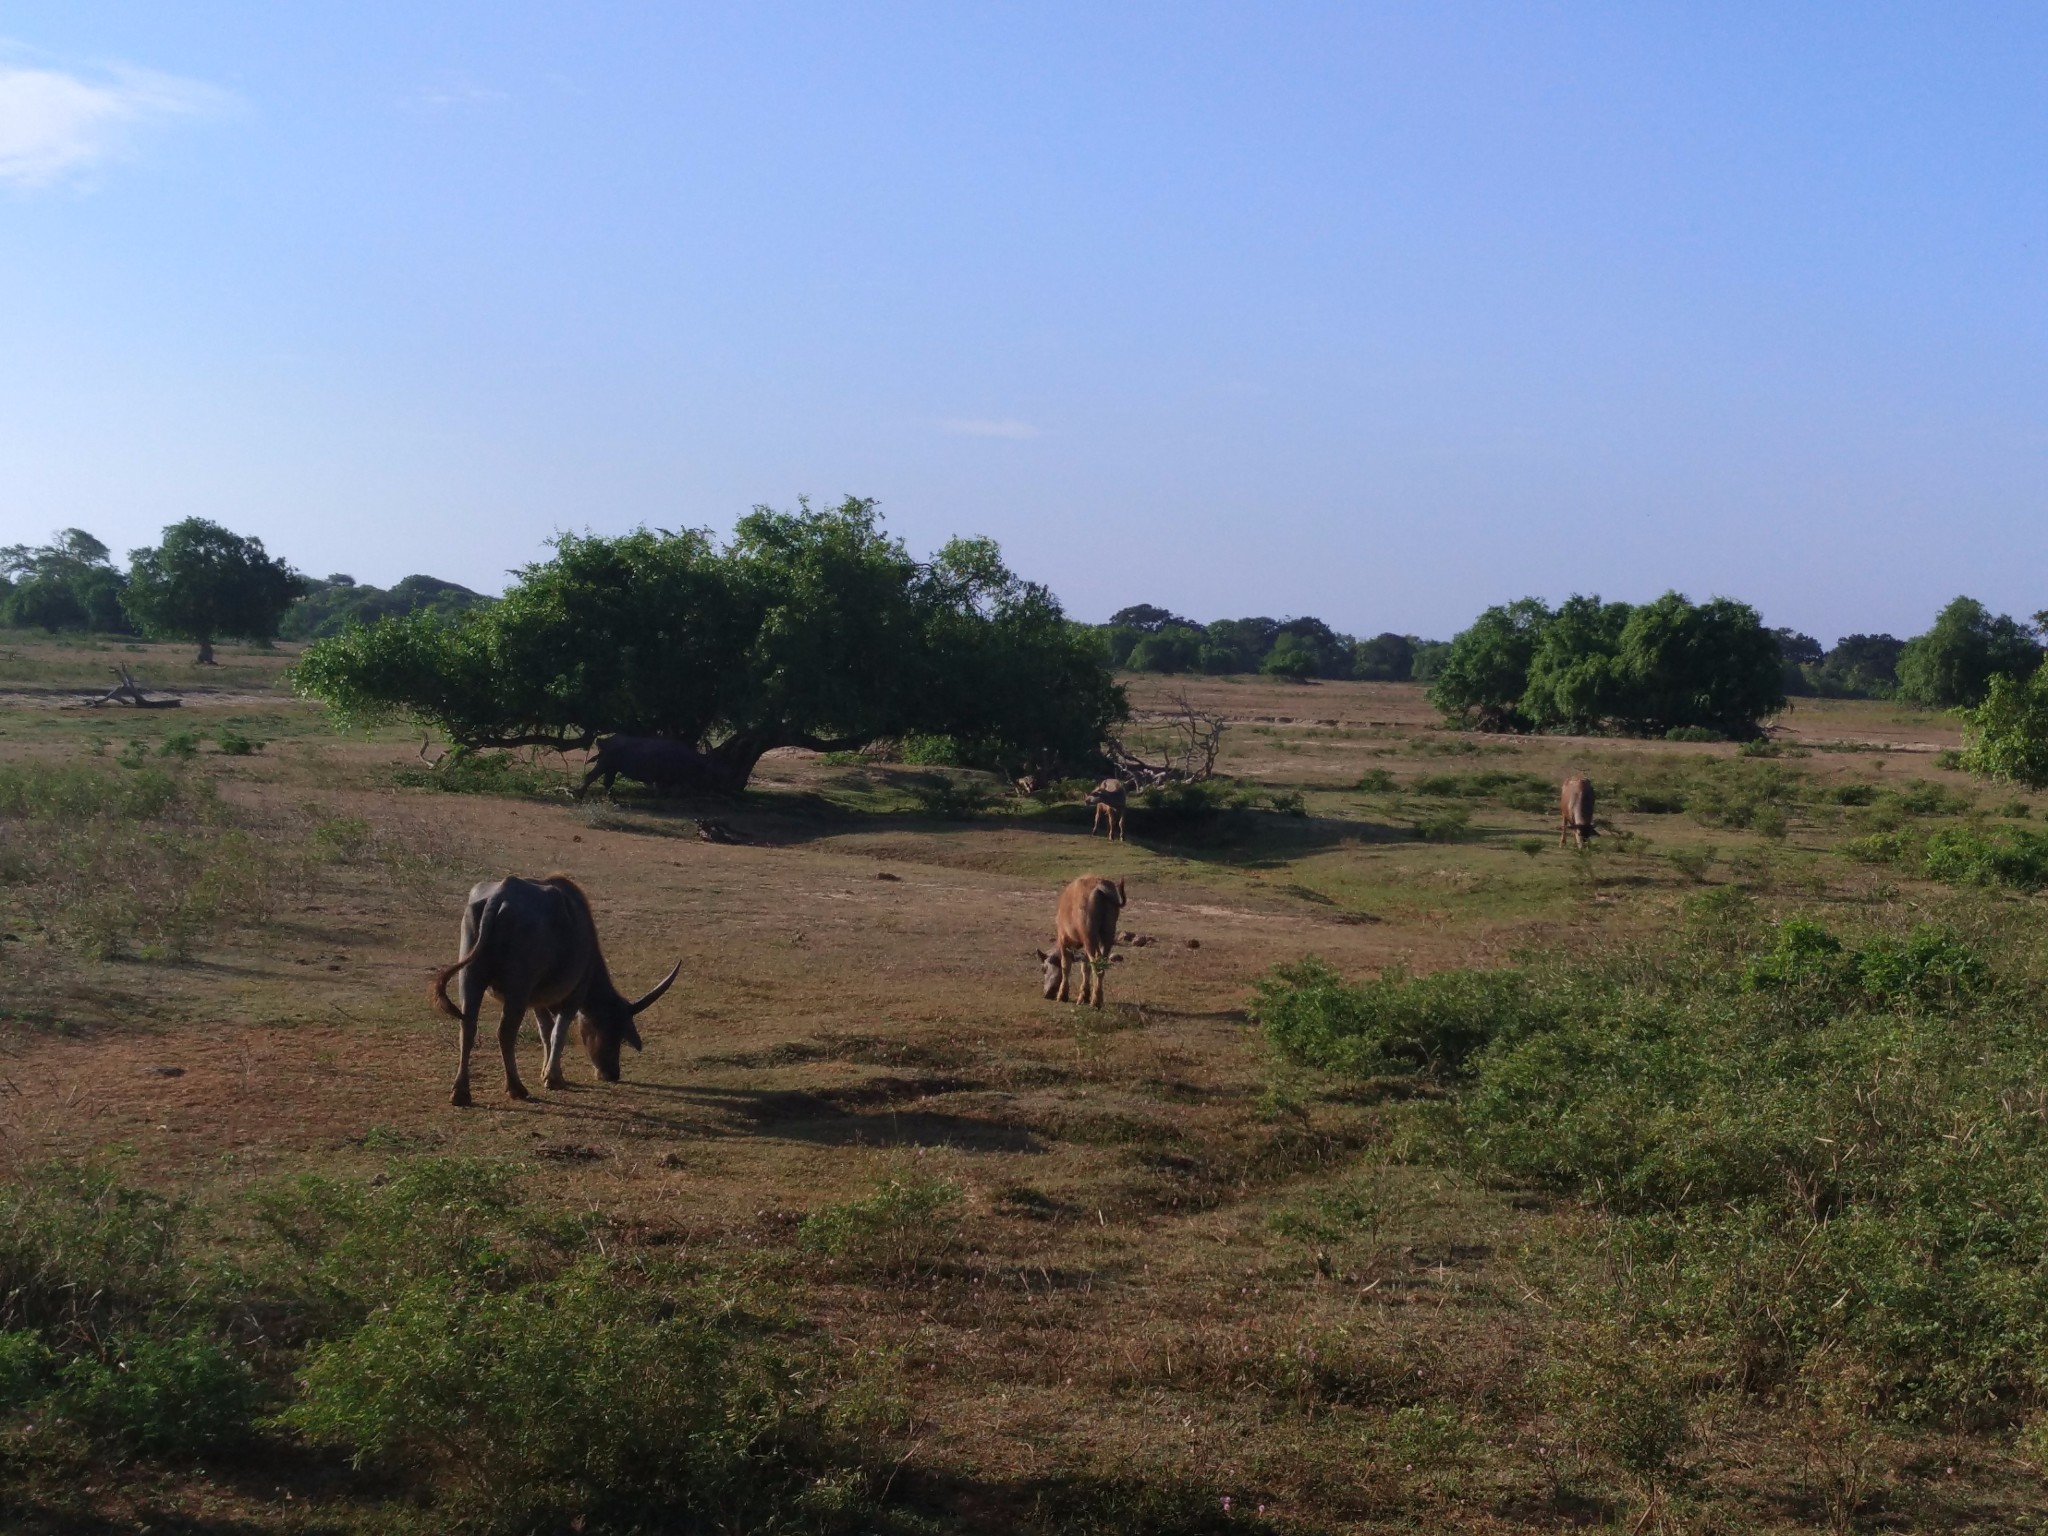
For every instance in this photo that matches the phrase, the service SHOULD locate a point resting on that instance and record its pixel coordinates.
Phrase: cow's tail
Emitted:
(437, 989)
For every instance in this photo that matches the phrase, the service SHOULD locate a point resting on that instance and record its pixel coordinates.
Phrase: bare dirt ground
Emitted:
(859, 994)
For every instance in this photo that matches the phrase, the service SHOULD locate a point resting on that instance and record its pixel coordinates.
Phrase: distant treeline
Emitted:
(1651, 668)
(1952, 664)
(1145, 638)
(72, 584)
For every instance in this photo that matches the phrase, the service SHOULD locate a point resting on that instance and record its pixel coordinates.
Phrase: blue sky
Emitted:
(1381, 313)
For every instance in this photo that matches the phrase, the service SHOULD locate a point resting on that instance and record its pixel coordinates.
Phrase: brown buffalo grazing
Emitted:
(1110, 800)
(1086, 921)
(667, 767)
(1575, 801)
(534, 943)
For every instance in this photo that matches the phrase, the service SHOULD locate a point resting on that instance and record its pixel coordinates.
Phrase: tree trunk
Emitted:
(205, 654)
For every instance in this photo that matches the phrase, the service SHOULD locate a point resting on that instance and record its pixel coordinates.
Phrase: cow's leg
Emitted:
(472, 1005)
(554, 1030)
(1060, 947)
(508, 1046)
(1116, 826)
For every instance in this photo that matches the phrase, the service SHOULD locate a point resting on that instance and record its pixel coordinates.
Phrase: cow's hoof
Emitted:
(460, 1097)
(516, 1091)
(555, 1084)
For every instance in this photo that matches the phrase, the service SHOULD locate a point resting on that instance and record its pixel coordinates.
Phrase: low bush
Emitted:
(1734, 792)
(1810, 1161)
(107, 1332)
(2014, 858)
(901, 1226)
(1429, 1024)
(1376, 781)
(1445, 826)
(234, 743)
(1190, 802)
(929, 751)
(590, 1397)
(484, 773)
(1519, 791)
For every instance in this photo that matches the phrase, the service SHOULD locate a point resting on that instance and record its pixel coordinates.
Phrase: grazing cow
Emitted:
(666, 766)
(1088, 910)
(534, 943)
(1575, 800)
(1110, 800)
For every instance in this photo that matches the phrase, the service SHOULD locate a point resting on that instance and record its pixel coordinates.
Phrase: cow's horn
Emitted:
(665, 983)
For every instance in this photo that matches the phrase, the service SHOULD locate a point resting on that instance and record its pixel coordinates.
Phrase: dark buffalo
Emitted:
(668, 767)
(534, 943)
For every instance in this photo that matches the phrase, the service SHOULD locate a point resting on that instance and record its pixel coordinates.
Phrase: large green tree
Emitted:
(69, 583)
(1712, 665)
(204, 583)
(1645, 669)
(1954, 662)
(1487, 669)
(807, 629)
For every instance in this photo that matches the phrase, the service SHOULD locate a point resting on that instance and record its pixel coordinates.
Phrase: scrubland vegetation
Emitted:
(1422, 1174)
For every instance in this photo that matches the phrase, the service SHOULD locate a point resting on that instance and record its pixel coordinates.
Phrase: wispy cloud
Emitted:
(979, 427)
(56, 124)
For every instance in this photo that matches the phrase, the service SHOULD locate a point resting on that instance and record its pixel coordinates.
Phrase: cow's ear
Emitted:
(1042, 954)
(1121, 899)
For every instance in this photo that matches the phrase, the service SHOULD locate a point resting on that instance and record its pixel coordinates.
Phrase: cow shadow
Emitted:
(861, 1115)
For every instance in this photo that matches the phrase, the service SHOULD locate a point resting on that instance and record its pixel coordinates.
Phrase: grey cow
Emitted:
(534, 943)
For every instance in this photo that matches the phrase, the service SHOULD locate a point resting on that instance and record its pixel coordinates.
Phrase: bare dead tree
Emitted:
(1194, 737)
(130, 692)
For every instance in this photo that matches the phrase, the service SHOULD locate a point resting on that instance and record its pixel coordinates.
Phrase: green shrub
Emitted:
(1288, 802)
(1519, 791)
(184, 1394)
(102, 1319)
(1853, 794)
(929, 751)
(1376, 781)
(1920, 797)
(1693, 733)
(1445, 826)
(1429, 1024)
(2009, 856)
(1191, 802)
(1733, 792)
(584, 1398)
(952, 799)
(180, 744)
(901, 1226)
(235, 744)
(483, 773)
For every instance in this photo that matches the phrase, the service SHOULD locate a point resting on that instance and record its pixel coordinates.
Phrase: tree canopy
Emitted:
(204, 583)
(1954, 662)
(69, 583)
(1646, 669)
(808, 629)
(330, 606)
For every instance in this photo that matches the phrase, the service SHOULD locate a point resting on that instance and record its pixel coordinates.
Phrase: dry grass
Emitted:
(1109, 1269)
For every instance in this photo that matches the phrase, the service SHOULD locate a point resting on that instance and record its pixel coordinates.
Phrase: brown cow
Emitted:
(1575, 800)
(1110, 800)
(1088, 911)
(534, 943)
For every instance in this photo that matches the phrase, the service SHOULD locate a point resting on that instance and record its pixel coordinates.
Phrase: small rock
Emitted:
(1194, 943)
(577, 838)
(883, 874)
(572, 1152)
(163, 1071)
